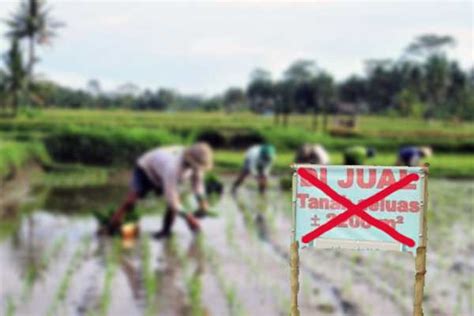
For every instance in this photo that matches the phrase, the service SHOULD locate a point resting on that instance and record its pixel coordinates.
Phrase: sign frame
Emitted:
(420, 252)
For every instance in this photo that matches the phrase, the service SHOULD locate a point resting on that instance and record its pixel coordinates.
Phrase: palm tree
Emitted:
(32, 21)
(15, 75)
(430, 44)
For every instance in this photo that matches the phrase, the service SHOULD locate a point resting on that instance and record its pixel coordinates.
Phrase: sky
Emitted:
(205, 47)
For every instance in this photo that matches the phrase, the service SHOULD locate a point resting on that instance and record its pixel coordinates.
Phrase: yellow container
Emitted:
(129, 230)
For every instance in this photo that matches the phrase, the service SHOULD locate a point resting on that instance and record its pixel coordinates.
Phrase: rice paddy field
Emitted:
(59, 167)
(52, 262)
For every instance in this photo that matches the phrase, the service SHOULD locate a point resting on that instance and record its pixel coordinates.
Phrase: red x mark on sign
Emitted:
(357, 209)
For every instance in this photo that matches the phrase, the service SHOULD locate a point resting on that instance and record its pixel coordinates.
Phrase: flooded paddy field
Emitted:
(52, 262)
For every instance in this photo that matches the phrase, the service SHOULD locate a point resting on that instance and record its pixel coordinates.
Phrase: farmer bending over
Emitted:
(357, 155)
(163, 170)
(313, 154)
(258, 162)
(411, 156)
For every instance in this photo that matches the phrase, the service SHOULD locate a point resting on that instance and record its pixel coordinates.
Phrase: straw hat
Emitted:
(199, 156)
(427, 151)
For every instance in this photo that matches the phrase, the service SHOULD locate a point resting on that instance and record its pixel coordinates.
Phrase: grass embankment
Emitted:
(238, 130)
(441, 165)
(368, 125)
(14, 155)
(116, 138)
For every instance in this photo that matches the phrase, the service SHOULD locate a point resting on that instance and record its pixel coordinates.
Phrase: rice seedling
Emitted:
(248, 217)
(11, 308)
(194, 289)
(458, 306)
(193, 281)
(65, 282)
(230, 229)
(149, 277)
(234, 305)
(110, 268)
(175, 251)
(33, 271)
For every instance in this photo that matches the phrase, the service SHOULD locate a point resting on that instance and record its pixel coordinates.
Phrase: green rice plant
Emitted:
(65, 282)
(149, 277)
(177, 253)
(230, 294)
(33, 271)
(111, 267)
(234, 305)
(14, 155)
(194, 289)
(11, 308)
(230, 229)
(248, 217)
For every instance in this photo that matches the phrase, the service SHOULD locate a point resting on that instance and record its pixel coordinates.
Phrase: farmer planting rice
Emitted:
(313, 154)
(258, 162)
(411, 155)
(357, 155)
(163, 170)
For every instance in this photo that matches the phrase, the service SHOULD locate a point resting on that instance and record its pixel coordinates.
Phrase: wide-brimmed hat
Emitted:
(199, 156)
(427, 151)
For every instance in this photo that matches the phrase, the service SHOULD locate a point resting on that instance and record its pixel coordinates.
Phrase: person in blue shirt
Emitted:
(411, 156)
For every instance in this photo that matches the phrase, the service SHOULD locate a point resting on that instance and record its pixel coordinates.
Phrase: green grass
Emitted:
(14, 155)
(117, 137)
(237, 129)
(441, 165)
(72, 176)
(148, 119)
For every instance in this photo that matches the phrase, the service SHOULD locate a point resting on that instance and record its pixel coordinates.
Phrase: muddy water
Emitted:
(51, 263)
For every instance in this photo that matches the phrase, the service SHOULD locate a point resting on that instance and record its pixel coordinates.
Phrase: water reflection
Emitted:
(177, 272)
(83, 199)
(256, 217)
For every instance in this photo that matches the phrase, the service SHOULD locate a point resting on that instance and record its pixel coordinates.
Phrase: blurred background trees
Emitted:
(423, 82)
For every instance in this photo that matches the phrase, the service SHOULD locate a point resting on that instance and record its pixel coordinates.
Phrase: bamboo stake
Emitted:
(294, 259)
(295, 286)
(420, 261)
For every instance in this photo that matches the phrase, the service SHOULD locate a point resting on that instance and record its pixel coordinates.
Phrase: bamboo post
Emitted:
(295, 286)
(294, 258)
(420, 261)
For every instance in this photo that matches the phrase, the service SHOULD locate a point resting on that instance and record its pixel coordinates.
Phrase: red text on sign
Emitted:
(362, 178)
(321, 203)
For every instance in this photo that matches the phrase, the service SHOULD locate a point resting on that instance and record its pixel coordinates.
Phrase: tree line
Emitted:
(422, 82)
